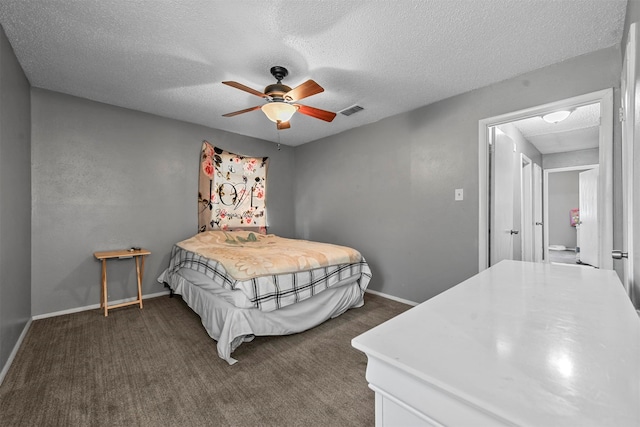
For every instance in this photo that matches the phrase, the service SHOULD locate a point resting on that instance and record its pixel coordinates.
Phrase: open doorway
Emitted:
(533, 243)
(570, 215)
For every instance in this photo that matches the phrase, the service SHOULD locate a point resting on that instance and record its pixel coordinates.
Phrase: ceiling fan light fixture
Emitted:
(279, 111)
(556, 116)
(280, 98)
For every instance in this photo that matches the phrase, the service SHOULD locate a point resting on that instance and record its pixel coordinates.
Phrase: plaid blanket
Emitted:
(271, 292)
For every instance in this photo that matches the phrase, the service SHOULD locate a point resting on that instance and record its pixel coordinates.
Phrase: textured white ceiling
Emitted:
(168, 57)
(579, 131)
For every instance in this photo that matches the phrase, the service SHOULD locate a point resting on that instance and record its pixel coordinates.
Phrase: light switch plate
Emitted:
(459, 194)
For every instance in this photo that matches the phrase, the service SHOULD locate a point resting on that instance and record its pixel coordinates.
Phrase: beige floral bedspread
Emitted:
(246, 255)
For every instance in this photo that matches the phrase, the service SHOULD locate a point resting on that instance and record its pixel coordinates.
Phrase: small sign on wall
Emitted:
(574, 215)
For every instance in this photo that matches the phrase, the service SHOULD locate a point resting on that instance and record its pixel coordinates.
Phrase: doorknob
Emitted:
(538, 223)
(619, 254)
(513, 231)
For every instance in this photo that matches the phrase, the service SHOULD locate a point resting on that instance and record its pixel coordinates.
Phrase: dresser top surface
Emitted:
(532, 343)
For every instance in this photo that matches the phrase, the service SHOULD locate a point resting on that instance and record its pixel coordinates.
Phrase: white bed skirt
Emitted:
(230, 326)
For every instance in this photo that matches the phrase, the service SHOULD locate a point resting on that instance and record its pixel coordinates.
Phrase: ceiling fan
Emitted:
(281, 100)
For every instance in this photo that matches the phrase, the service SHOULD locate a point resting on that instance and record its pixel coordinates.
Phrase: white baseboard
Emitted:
(404, 301)
(16, 347)
(96, 306)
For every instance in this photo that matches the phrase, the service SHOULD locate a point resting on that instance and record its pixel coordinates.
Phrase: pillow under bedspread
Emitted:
(246, 255)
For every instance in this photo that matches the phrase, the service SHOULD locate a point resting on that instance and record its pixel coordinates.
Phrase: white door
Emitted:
(503, 166)
(526, 209)
(537, 213)
(630, 183)
(588, 230)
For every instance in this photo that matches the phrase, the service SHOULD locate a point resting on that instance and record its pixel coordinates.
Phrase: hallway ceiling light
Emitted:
(556, 116)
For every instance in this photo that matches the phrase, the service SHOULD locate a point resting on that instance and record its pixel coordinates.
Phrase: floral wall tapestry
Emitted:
(231, 191)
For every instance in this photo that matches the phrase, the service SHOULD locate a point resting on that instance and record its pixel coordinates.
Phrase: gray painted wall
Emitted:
(563, 196)
(106, 178)
(388, 188)
(15, 201)
(522, 144)
(571, 158)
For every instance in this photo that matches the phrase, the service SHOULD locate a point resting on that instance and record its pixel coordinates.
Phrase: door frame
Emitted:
(545, 201)
(605, 182)
(630, 130)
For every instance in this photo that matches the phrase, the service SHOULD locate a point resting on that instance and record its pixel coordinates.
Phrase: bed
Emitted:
(244, 284)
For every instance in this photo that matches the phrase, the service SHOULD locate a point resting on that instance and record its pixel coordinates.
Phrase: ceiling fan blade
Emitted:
(283, 125)
(245, 88)
(317, 113)
(306, 89)
(246, 110)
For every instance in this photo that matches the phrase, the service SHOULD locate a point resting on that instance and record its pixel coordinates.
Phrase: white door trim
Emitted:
(630, 131)
(605, 184)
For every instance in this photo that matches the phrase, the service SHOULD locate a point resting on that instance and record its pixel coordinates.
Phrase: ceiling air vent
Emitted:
(351, 110)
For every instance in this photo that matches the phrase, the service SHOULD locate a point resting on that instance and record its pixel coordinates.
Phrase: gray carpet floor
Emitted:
(158, 367)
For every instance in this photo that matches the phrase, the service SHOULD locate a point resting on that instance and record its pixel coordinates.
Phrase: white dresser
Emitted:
(518, 344)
